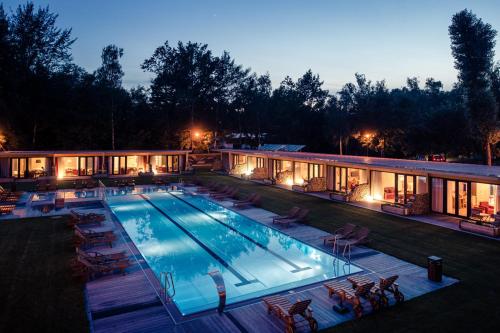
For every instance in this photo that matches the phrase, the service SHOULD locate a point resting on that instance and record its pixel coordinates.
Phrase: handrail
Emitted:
(167, 280)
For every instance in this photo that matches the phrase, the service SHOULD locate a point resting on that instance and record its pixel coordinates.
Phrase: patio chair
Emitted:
(300, 218)
(253, 199)
(388, 285)
(86, 239)
(7, 209)
(353, 297)
(226, 190)
(96, 257)
(292, 213)
(342, 233)
(89, 270)
(288, 312)
(359, 237)
(219, 190)
(230, 195)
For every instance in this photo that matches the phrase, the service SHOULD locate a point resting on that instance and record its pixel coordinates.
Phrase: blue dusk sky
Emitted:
(383, 39)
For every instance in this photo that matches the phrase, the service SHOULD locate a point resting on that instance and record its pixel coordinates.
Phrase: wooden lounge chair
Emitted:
(342, 233)
(89, 270)
(354, 297)
(292, 213)
(359, 237)
(288, 312)
(7, 209)
(87, 216)
(388, 285)
(301, 217)
(220, 190)
(86, 239)
(252, 200)
(231, 194)
(96, 257)
(226, 191)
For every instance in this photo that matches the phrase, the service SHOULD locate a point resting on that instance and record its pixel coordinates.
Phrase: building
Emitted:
(78, 164)
(461, 190)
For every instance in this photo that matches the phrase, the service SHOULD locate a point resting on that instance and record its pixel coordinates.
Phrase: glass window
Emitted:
(421, 184)
(400, 198)
(462, 199)
(260, 162)
(67, 167)
(300, 173)
(383, 186)
(437, 194)
(86, 166)
(485, 201)
(19, 168)
(173, 163)
(450, 197)
(338, 180)
(37, 166)
(159, 164)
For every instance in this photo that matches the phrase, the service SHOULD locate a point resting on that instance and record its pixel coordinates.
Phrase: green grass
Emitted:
(37, 291)
(472, 305)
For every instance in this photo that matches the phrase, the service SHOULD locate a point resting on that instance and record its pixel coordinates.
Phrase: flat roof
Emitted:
(47, 153)
(444, 168)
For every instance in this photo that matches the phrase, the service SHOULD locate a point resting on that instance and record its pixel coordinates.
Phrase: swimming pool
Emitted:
(190, 236)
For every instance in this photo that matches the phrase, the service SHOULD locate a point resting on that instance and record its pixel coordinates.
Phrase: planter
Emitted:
(397, 210)
(339, 197)
(479, 228)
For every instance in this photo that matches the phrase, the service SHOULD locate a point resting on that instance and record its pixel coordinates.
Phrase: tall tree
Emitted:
(472, 46)
(109, 76)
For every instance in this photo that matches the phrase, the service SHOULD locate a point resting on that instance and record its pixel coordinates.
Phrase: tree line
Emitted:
(49, 102)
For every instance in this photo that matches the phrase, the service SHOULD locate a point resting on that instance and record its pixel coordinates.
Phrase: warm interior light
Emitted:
(377, 197)
(248, 172)
(60, 174)
(289, 181)
(300, 181)
(368, 198)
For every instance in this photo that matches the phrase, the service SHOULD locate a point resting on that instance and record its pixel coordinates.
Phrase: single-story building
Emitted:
(461, 190)
(75, 164)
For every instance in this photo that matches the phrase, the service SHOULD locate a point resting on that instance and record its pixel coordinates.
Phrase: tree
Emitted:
(39, 44)
(109, 76)
(472, 45)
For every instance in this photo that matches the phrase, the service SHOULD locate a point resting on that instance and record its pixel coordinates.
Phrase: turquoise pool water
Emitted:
(190, 236)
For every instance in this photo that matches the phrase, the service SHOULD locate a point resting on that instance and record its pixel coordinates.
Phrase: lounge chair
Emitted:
(354, 297)
(342, 233)
(221, 190)
(87, 216)
(292, 213)
(89, 239)
(226, 191)
(301, 217)
(231, 194)
(78, 185)
(359, 237)
(89, 270)
(388, 285)
(96, 257)
(287, 312)
(91, 184)
(7, 209)
(252, 200)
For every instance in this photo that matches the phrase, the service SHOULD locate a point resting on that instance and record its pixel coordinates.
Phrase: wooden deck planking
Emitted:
(153, 319)
(134, 289)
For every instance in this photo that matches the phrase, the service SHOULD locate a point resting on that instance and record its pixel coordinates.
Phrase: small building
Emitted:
(78, 164)
(461, 190)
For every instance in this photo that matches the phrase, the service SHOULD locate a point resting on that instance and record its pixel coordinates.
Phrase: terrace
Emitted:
(398, 246)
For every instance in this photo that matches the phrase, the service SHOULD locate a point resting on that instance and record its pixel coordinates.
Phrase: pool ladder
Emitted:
(168, 285)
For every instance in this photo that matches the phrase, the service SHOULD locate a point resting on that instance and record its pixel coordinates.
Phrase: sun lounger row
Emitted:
(90, 263)
(356, 291)
(89, 184)
(348, 235)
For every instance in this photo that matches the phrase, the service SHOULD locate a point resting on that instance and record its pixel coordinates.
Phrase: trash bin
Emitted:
(434, 268)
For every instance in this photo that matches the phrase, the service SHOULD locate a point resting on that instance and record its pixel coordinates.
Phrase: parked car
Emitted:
(436, 158)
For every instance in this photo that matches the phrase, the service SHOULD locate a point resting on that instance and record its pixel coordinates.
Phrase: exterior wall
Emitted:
(400, 185)
(81, 164)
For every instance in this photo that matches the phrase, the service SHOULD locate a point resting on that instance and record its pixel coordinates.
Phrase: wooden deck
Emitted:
(130, 303)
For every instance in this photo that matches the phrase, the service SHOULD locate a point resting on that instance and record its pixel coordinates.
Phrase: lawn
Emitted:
(472, 305)
(37, 291)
